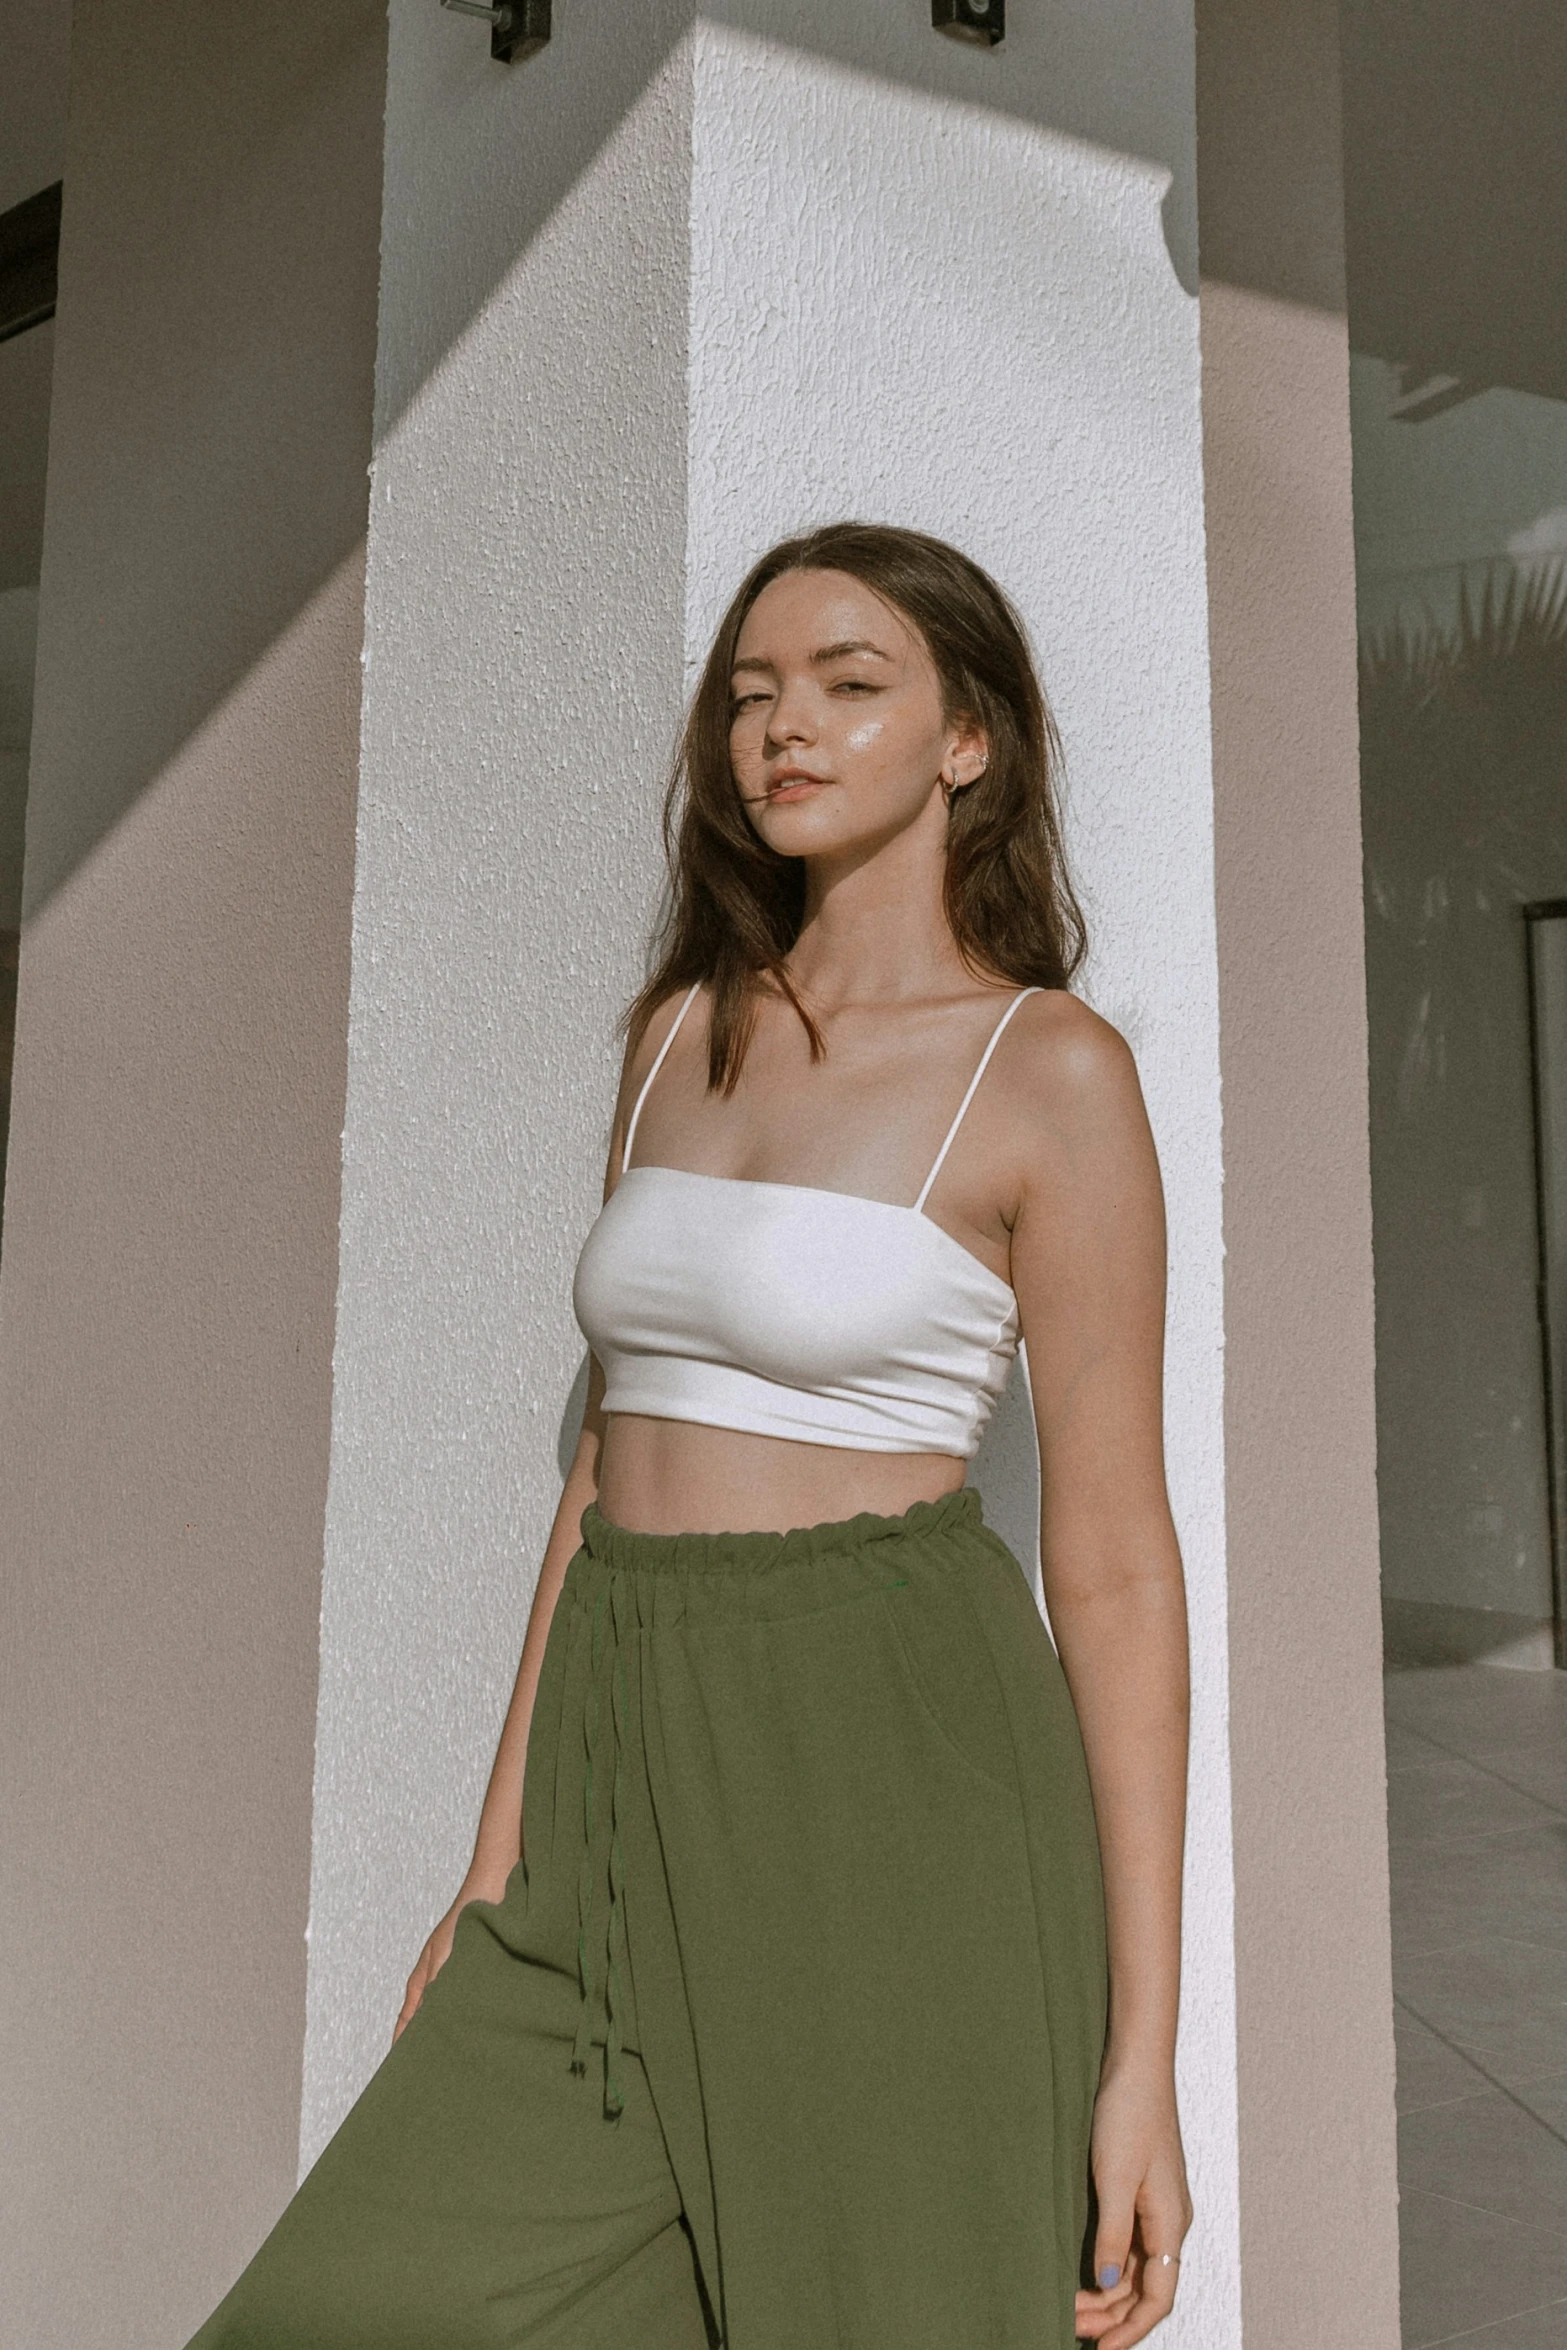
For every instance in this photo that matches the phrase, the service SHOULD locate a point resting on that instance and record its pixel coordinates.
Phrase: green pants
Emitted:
(787, 2031)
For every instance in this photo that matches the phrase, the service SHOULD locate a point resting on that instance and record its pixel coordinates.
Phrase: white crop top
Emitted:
(789, 1311)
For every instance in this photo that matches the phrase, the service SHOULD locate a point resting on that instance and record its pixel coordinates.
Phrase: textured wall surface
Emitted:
(766, 286)
(170, 1252)
(522, 690)
(1020, 375)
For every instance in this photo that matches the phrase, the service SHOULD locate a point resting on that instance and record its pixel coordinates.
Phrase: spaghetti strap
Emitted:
(996, 1035)
(658, 1063)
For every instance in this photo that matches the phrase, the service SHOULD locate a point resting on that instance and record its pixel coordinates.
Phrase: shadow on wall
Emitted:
(193, 393)
(1491, 79)
(1464, 787)
(159, 292)
(1066, 70)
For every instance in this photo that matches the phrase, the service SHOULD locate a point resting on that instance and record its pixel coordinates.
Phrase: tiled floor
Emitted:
(1477, 1817)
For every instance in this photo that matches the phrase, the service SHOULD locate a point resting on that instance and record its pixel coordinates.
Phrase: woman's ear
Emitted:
(968, 755)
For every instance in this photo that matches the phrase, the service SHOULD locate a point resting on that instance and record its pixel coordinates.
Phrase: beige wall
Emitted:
(1314, 2002)
(169, 1263)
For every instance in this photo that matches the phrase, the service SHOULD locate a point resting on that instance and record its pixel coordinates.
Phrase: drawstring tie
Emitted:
(601, 1939)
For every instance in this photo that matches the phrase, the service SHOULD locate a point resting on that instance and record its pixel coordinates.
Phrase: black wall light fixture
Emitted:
(518, 28)
(981, 21)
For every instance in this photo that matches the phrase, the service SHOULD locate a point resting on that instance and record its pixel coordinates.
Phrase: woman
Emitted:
(820, 1942)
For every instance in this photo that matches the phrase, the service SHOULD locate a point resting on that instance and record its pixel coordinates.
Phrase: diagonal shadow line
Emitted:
(532, 132)
(224, 328)
(1071, 74)
(214, 355)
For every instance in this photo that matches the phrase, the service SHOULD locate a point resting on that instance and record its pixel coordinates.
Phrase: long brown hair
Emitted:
(736, 905)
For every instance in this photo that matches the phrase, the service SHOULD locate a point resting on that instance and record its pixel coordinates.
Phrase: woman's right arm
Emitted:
(497, 1847)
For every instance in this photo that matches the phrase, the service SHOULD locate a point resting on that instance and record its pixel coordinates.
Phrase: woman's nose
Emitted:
(791, 719)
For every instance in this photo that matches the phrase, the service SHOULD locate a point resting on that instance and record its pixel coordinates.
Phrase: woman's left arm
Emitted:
(1088, 1264)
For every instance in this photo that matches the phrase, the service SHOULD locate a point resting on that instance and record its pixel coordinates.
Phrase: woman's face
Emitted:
(837, 735)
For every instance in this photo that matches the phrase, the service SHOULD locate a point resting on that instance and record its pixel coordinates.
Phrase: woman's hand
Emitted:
(1144, 2208)
(438, 1949)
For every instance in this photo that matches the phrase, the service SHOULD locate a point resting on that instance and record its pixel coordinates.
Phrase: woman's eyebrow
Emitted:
(853, 644)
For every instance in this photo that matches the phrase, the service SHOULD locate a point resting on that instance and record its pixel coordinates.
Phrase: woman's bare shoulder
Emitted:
(1073, 1102)
(1085, 1150)
(1068, 1057)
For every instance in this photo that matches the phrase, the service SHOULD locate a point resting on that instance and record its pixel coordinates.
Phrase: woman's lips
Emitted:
(795, 787)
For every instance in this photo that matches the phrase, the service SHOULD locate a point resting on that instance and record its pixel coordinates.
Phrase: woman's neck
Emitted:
(876, 927)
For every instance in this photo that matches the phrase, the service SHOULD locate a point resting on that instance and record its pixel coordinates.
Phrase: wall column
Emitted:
(1319, 2242)
(673, 287)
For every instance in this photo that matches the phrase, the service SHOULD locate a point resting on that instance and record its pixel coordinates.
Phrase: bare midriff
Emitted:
(675, 1477)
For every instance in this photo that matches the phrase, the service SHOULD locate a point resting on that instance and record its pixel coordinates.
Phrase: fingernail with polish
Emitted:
(1108, 2276)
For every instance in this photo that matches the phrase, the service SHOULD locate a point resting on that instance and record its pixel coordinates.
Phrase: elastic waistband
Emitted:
(760, 1553)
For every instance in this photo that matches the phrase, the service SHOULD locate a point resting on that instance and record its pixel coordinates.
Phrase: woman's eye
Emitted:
(854, 685)
(745, 702)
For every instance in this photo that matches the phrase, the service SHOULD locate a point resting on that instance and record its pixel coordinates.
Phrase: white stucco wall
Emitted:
(522, 686)
(1019, 375)
(816, 274)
